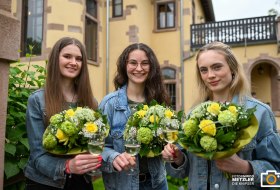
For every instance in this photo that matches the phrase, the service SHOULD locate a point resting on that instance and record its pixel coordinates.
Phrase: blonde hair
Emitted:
(239, 86)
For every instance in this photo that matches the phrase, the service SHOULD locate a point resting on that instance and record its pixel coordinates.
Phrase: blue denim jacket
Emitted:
(115, 106)
(41, 166)
(263, 153)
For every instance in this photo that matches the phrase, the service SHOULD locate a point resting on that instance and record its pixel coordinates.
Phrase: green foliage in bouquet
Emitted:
(69, 130)
(218, 130)
(147, 125)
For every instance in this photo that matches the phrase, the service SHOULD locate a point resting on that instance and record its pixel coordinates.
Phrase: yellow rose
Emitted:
(168, 113)
(233, 110)
(145, 107)
(91, 127)
(214, 108)
(208, 127)
(69, 113)
(152, 119)
(141, 113)
(61, 136)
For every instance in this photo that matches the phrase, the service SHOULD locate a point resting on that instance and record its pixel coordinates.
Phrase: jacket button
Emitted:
(216, 186)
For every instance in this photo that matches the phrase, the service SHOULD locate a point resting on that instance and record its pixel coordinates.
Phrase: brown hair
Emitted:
(239, 85)
(54, 99)
(154, 87)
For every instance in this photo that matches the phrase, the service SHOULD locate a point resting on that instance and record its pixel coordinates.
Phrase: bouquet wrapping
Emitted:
(218, 130)
(69, 130)
(147, 125)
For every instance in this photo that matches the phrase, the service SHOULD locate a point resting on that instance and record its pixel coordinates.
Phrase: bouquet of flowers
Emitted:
(147, 125)
(218, 130)
(69, 130)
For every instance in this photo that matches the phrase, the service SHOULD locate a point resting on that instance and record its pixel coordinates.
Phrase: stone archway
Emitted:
(264, 75)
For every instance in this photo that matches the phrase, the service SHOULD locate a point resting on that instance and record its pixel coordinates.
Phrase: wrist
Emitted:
(67, 167)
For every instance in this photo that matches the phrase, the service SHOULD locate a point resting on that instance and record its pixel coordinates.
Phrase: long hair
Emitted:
(239, 85)
(154, 87)
(54, 98)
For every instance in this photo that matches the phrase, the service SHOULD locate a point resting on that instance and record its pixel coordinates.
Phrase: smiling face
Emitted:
(215, 73)
(138, 67)
(70, 62)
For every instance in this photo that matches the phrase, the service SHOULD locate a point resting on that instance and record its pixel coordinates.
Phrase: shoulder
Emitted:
(37, 94)
(260, 106)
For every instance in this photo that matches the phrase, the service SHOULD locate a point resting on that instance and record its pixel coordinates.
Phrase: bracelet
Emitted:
(67, 167)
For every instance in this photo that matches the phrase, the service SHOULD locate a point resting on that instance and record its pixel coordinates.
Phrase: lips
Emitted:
(214, 83)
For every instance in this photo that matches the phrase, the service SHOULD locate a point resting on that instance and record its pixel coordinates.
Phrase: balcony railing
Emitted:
(235, 32)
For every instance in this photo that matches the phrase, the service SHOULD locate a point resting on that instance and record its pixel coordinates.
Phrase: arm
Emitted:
(35, 129)
(180, 167)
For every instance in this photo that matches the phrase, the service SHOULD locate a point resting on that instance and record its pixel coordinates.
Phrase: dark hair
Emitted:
(54, 99)
(239, 85)
(154, 87)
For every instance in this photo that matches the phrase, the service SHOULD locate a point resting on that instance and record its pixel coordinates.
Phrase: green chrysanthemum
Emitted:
(190, 127)
(227, 118)
(208, 143)
(144, 135)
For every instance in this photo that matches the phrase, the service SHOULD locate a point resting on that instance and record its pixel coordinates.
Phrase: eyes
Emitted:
(215, 67)
(133, 64)
(69, 56)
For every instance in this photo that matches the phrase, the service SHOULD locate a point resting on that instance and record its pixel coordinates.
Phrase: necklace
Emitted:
(73, 97)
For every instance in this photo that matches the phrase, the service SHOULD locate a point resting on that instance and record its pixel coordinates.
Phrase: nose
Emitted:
(211, 73)
(139, 67)
(73, 61)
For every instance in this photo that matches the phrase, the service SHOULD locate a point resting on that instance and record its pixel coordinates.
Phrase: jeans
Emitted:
(72, 183)
(147, 185)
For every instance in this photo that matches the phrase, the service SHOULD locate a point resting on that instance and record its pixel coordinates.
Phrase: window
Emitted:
(117, 8)
(91, 30)
(32, 26)
(166, 15)
(169, 76)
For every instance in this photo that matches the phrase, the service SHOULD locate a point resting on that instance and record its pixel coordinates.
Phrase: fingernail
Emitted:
(99, 158)
(98, 165)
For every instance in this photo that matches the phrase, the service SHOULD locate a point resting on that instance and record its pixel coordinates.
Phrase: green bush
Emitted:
(24, 78)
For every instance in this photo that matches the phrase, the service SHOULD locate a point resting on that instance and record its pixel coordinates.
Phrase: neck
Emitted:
(221, 97)
(68, 91)
(136, 92)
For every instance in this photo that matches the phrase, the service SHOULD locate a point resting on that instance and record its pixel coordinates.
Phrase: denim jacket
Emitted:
(263, 153)
(41, 166)
(115, 106)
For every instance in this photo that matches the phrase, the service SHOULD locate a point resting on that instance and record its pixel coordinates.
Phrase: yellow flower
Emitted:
(208, 127)
(233, 110)
(141, 113)
(152, 119)
(145, 107)
(168, 113)
(91, 127)
(214, 108)
(69, 113)
(172, 136)
(61, 136)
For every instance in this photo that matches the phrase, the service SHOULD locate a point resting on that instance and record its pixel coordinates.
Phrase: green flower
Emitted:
(227, 118)
(49, 141)
(208, 143)
(68, 128)
(56, 119)
(144, 135)
(190, 127)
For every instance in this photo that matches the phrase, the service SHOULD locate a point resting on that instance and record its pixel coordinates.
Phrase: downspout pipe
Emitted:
(182, 55)
(107, 44)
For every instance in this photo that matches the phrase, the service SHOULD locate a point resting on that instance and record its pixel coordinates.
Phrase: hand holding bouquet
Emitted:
(69, 130)
(218, 130)
(147, 125)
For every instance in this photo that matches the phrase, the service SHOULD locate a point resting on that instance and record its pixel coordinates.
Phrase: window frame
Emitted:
(24, 29)
(91, 18)
(157, 17)
(114, 6)
(174, 81)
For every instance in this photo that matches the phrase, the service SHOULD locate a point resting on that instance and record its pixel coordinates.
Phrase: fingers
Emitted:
(81, 164)
(123, 162)
(170, 151)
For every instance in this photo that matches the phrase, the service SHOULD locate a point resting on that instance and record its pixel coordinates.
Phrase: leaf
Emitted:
(24, 141)
(11, 169)
(22, 163)
(10, 148)
(227, 138)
